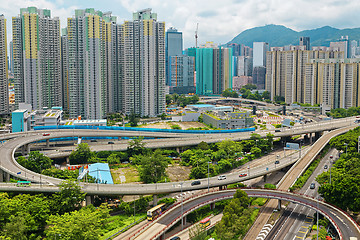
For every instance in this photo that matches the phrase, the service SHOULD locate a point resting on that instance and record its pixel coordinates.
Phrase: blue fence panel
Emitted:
(144, 129)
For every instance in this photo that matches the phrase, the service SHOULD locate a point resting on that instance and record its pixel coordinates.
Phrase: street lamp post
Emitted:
(134, 208)
(208, 176)
(97, 178)
(248, 167)
(317, 219)
(346, 148)
(40, 175)
(182, 208)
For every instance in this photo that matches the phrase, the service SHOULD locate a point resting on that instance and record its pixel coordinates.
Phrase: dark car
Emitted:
(93, 140)
(326, 166)
(312, 186)
(197, 182)
(110, 142)
(242, 175)
(277, 130)
(175, 238)
(277, 162)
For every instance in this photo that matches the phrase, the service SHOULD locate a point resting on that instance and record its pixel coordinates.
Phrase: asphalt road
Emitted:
(289, 179)
(299, 218)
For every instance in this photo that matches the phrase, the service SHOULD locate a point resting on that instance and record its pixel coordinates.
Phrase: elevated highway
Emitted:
(10, 165)
(344, 225)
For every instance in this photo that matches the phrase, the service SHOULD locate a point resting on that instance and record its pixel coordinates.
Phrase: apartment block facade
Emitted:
(37, 58)
(333, 82)
(213, 70)
(143, 64)
(286, 70)
(4, 92)
(93, 63)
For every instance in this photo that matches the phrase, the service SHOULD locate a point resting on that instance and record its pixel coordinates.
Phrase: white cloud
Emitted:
(219, 21)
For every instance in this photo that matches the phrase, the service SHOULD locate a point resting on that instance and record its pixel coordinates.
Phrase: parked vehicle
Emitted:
(312, 186)
(242, 175)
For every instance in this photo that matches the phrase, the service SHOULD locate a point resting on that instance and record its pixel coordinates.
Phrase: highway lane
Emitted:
(346, 226)
(141, 189)
(186, 139)
(300, 218)
(290, 178)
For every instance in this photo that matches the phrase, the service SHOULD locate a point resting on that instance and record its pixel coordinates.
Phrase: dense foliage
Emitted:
(236, 219)
(344, 190)
(342, 112)
(83, 224)
(35, 162)
(25, 216)
(181, 100)
(225, 155)
(82, 154)
(151, 167)
(230, 93)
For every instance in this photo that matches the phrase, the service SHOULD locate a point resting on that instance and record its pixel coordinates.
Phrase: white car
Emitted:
(221, 177)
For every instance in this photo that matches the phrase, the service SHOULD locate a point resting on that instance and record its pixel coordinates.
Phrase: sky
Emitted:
(219, 20)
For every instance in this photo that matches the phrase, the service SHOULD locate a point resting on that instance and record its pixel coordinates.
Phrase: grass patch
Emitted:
(258, 201)
(130, 172)
(116, 223)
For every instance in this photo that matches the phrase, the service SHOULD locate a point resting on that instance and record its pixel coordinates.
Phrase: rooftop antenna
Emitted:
(196, 34)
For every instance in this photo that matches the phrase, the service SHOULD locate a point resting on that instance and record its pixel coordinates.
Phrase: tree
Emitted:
(136, 146)
(83, 224)
(152, 167)
(35, 162)
(197, 232)
(113, 159)
(133, 119)
(203, 146)
(16, 228)
(69, 198)
(81, 155)
(229, 93)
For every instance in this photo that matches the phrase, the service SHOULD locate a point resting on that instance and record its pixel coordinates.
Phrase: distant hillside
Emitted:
(278, 35)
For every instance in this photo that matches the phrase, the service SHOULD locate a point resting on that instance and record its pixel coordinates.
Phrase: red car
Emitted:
(243, 175)
(46, 134)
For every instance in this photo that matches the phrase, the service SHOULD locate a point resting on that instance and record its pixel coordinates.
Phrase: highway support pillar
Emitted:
(7, 177)
(310, 134)
(265, 177)
(119, 138)
(27, 146)
(178, 149)
(318, 135)
(67, 160)
(47, 143)
(212, 206)
(223, 187)
(279, 205)
(89, 200)
(23, 150)
(1, 175)
(155, 200)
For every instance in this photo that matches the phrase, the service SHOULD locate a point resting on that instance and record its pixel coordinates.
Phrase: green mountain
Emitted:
(278, 35)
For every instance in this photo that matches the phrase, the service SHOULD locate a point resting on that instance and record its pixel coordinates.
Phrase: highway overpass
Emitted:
(10, 165)
(344, 224)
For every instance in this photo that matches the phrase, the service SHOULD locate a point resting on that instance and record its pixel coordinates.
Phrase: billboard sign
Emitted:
(292, 146)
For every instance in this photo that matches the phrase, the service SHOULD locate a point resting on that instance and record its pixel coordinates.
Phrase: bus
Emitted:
(23, 184)
(155, 211)
(205, 222)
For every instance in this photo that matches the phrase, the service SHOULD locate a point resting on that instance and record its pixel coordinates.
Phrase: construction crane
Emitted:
(196, 34)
